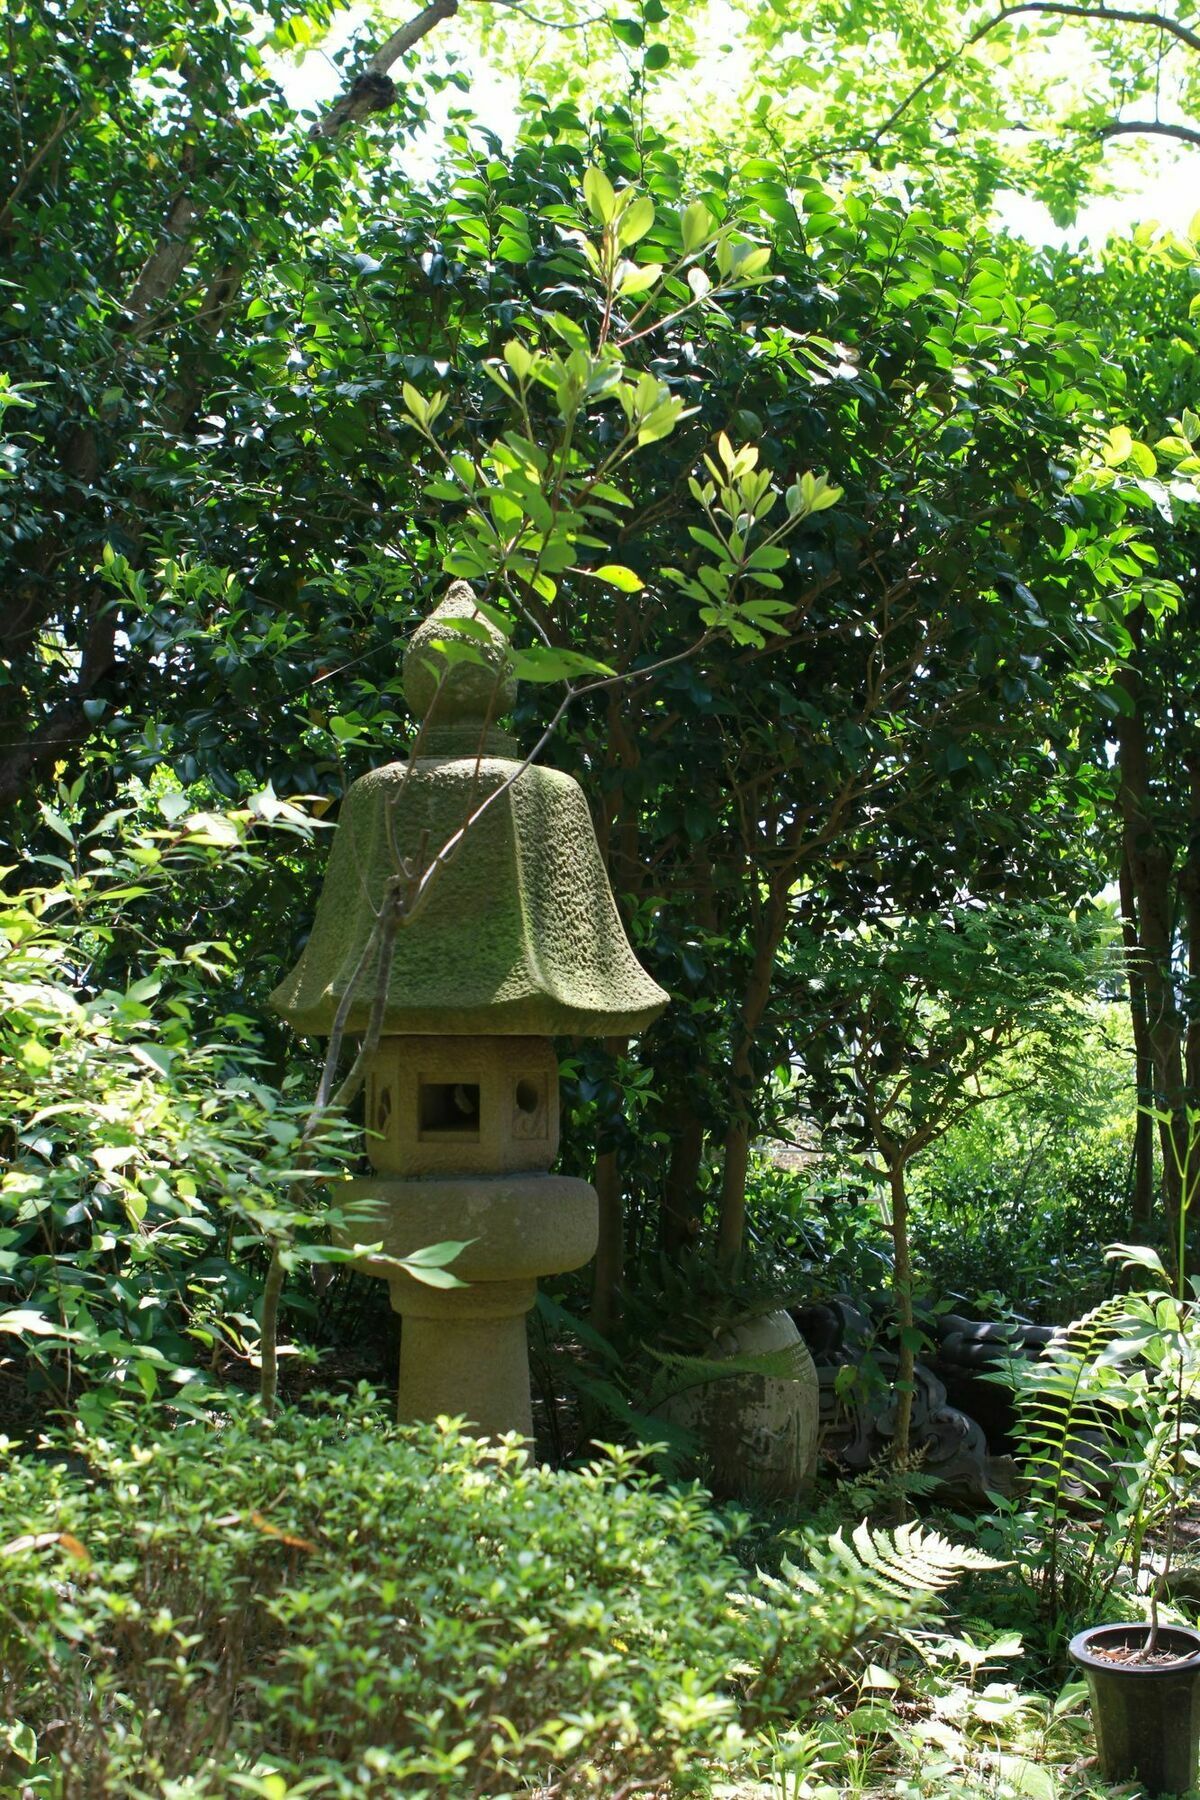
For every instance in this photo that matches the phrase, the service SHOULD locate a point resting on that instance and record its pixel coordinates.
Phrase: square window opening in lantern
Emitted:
(448, 1109)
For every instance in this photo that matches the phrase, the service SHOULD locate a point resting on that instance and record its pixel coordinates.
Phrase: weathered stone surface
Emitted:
(462, 1106)
(515, 1226)
(520, 934)
(759, 1432)
(467, 695)
(464, 1355)
(518, 941)
(463, 1350)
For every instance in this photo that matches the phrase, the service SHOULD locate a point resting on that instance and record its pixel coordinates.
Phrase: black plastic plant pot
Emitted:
(1146, 1715)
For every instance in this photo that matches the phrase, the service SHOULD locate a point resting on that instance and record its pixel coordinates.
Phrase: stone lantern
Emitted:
(518, 942)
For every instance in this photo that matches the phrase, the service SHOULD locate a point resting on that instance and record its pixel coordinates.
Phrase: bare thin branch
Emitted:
(1119, 15)
(550, 24)
(65, 122)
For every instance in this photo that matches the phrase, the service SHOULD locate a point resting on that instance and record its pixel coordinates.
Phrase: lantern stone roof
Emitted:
(519, 933)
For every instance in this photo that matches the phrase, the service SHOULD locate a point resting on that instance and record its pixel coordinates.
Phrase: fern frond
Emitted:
(922, 1559)
(678, 1373)
(1077, 1414)
(1059, 1398)
(846, 1594)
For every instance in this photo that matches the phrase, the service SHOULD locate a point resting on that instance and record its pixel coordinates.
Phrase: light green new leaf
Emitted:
(635, 221)
(1136, 1256)
(695, 227)
(636, 278)
(598, 192)
(1118, 446)
(618, 576)
(1142, 458)
(21, 1741)
(436, 1256)
(540, 663)
(434, 1278)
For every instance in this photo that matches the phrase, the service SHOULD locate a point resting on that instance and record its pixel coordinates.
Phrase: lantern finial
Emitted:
(459, 697)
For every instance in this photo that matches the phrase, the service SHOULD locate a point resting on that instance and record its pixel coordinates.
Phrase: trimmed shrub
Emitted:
(328, 1605)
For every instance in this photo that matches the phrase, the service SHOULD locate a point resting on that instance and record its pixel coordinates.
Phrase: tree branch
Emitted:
(1152, 128)
(167, 261)
(1118, 15)
(67, 724)
(373, 89)
(66, 120)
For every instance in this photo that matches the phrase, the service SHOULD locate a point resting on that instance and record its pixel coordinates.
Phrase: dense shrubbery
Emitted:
(147, 1148)
(361, 1609)
(990, 1236)
(901, 625)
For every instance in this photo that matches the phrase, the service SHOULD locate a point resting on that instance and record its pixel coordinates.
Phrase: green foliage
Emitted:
(875, 1575)
(979, 99)
(148, 1150)
(352, 378)
(918, 1012)
(334, 1603)
(1012, 1206)
(1068, 1402)
(860, 538)
(996, 1231)
(1106, 1434)
(822, 1223)
(672, 1335)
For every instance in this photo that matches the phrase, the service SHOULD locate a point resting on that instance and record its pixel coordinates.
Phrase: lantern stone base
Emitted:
(463, 1350)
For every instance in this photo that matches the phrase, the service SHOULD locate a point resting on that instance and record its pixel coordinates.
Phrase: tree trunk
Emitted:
(1141, 1200)
(609, 1269)
(769, 928)
(1189, 889)
(1153, 888)
(903, 1286)
(373, 89)
(1141, 1209)
(680, 1210)
(731, 1223)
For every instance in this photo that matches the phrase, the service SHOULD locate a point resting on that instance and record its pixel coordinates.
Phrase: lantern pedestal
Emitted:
(463, 1350)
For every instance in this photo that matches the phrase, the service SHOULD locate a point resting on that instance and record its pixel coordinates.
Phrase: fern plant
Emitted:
(1166, 1329)
(840, 1596)
(1099, 1431)
(1068, 1404)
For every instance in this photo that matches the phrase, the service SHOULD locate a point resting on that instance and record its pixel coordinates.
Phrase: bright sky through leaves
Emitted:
(1154, 181)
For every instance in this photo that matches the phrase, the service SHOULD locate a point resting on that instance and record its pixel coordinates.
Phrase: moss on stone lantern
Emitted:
(518, 941)
(521, 934)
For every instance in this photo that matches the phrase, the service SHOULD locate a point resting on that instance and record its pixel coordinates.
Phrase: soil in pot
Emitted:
(1145, 1711)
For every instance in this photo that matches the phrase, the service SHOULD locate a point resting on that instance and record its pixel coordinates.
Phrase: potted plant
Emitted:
(1145, 1702)
(1144, 1676)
